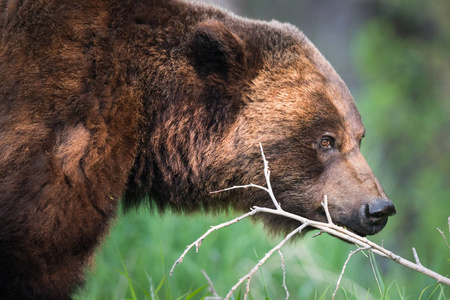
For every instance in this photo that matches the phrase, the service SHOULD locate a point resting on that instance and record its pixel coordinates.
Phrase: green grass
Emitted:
(135, 260)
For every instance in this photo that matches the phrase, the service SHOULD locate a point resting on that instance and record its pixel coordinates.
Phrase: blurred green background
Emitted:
(395, 58)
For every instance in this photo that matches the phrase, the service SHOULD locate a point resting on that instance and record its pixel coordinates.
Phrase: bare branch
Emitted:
(416, 257)
(267, 175)
(327, 211)
(317, 234)
(247, 288)
(328, 227)
(443, 235)
(345, 266)
(283, 267)
(331, 229)
(211, 288)
(363, 242)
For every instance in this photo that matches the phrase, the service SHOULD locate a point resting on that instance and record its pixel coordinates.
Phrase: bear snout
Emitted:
(374, 215)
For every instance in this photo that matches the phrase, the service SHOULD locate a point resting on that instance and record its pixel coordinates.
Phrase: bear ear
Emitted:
(215, 50)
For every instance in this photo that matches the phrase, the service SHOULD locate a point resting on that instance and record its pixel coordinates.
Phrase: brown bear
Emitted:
(161, 102)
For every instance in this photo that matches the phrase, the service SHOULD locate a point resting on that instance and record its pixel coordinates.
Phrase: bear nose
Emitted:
(374, 215)
(379, 210)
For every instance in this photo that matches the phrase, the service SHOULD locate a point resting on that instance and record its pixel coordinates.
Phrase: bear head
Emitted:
(229, 84)
(286, 96)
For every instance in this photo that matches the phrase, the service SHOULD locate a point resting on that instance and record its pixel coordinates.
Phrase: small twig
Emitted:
(267, 176)
(345, 266)
(416, 257)
(247, 288)
(443, 235)
(317, 234)
(327, 211)
(283, 267)
(198, 242)
(267, 189)
(211, 287)
(263, 260)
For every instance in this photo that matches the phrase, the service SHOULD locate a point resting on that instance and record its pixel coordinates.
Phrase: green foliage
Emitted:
(137, 257)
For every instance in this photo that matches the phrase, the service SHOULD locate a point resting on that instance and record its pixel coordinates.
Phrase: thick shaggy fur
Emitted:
(165, 101)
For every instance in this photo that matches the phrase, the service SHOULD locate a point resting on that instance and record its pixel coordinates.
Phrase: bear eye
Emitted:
(327, 142)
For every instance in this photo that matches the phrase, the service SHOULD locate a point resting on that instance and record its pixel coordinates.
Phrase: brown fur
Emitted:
(111, 98)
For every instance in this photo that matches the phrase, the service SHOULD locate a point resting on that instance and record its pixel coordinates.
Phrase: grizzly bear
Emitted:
(161, 102)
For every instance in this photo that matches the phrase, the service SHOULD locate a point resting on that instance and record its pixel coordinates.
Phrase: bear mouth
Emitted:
(365, 229)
